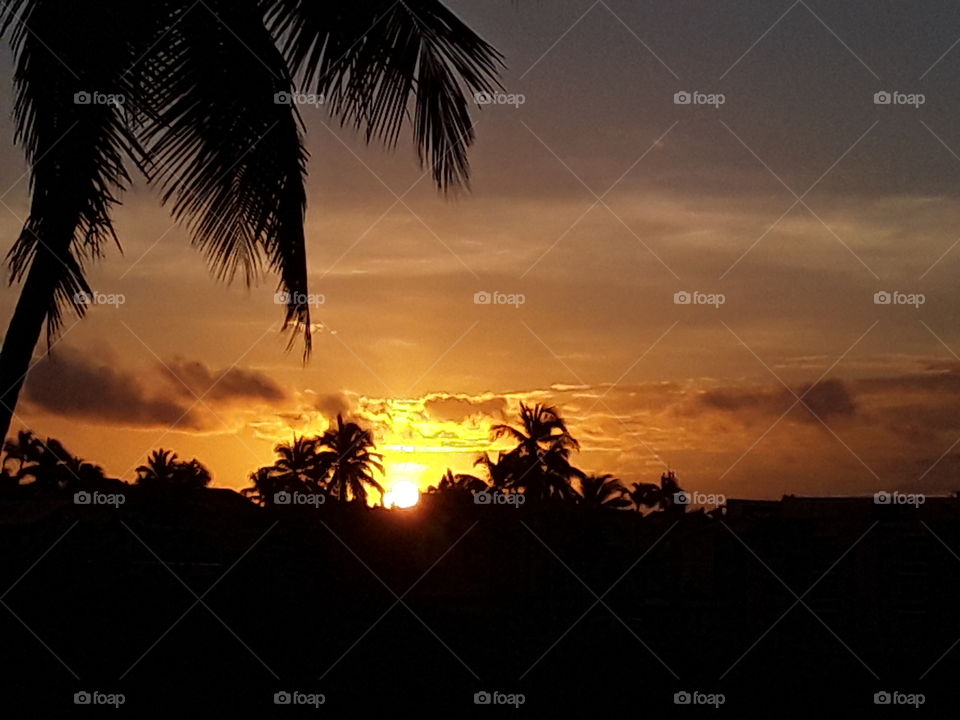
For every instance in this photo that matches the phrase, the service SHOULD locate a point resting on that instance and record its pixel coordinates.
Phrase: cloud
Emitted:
(72, 384)
(457, 408)
(194, 379)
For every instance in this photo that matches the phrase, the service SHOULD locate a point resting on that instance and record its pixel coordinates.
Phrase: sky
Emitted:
(781, 211)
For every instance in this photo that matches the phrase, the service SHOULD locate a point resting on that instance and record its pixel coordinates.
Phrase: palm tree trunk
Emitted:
(23, 333)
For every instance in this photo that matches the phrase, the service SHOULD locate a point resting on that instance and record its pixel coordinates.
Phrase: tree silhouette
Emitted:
(663, 496)
(163, 470)
(602, 491)
(201, 102)
(459, 483)
(300, 465)
(540, 463)
(266, 482)
(349, 456)
(49, 464)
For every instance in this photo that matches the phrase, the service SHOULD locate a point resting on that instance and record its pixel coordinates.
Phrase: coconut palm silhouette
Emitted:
(668, 496)
(299, 465)
(349, 456)
(202, 100)
(49, 464)
(461, 483)
(540, 463)
(602, 491)
(164, 470)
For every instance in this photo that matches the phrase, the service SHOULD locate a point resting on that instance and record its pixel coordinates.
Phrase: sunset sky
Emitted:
(597, 200)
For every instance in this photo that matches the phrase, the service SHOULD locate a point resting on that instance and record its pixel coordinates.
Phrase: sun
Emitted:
(403, 494)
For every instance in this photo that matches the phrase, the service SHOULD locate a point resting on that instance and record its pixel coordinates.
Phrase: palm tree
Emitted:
(540, 463)
(644, 495)
(602, 491)
(499, 471)
(351, 461)
(164, 470)
(49, 464)
(663, 495)
(20, 450)
(299, 465)
(266, 482)
(459, 483)
(198, 99)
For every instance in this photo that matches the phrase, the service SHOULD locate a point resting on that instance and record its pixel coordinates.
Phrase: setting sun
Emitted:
(403, 494)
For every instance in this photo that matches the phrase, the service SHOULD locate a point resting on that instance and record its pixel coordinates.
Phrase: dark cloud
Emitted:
(68, 383)
(457, 408)
(71, 384)
(227, 385)
(830, 398)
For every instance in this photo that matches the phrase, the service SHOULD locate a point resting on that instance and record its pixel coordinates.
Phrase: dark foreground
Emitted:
(205, 606)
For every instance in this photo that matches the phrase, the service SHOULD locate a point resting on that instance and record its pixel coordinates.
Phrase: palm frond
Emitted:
(368, 58)
(227, 148)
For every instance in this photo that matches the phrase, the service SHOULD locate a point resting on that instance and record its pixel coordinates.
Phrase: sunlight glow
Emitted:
(403, 494)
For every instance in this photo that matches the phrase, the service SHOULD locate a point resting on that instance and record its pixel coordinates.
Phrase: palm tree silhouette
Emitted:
(49, 464)
(201, 101)
(164, 470)
(351, 461)
(644, 495)
(602, 491)
(458, 483)
(299, 465)
(668, 495)
(540, 463)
